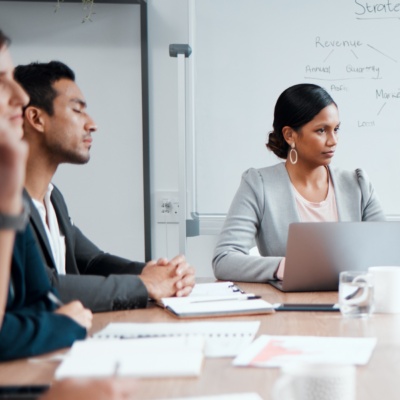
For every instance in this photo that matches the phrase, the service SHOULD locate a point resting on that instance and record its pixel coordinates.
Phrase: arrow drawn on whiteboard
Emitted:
(390, 58)
(381, 109)
(329, 55)
(355, 55)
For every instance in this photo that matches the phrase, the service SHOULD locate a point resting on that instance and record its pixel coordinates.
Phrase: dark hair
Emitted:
(295, 107)
(37, 80)
(4, 40)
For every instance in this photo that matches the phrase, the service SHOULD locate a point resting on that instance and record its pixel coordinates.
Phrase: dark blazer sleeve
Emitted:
(26, 333)
(30, 327)
(99, 293)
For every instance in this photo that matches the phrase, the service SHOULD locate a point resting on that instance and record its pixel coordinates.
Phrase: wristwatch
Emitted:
(15, 222)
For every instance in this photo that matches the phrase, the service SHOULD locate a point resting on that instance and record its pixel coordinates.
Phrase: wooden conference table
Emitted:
(379, 378)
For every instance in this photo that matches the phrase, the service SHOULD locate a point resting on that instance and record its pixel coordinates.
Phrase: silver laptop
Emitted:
(317, 252)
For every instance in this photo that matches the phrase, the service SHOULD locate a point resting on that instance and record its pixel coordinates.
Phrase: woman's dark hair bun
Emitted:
(295, 107)
(277, 144)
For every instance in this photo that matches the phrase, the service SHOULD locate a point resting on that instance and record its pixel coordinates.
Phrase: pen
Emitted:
(54, 299)
(227, 299)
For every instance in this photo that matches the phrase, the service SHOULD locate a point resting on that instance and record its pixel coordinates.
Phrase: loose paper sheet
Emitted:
(153, 357)
(275, 351)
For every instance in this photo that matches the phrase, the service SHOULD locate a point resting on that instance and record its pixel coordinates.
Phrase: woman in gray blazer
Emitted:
(304, 188)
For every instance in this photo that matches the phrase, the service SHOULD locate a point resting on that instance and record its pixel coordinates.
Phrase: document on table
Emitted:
(153, 357)
(222, 339)
(220, 308)
(231, 396)
(216, 288)
(216, 299)
(275, 351)
(209, 292)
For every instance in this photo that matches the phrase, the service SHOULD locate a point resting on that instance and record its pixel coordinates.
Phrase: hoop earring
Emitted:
(293, 153)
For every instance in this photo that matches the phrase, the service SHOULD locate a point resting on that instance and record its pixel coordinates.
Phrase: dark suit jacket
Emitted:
(93, 277)
(30, 327)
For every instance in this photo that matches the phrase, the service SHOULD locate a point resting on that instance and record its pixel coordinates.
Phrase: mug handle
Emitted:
(349, 298)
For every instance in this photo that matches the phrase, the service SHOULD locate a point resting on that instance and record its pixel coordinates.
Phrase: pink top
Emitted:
(325, 211)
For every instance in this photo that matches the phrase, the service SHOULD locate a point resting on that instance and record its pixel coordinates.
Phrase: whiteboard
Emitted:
(246, 52)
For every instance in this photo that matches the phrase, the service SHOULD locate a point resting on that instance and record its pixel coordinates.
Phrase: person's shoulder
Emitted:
(349, 180)
(270, 176)
(265, 172)
(357, 174)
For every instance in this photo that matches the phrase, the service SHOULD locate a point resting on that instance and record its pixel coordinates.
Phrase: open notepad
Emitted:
(216, 299)
(153, 357)
(222, 339)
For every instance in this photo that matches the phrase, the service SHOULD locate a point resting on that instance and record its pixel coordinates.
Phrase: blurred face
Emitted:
(317, 140)
(68, 132)
(12, 97)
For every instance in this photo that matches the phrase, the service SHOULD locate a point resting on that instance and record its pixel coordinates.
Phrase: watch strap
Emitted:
(15, 222)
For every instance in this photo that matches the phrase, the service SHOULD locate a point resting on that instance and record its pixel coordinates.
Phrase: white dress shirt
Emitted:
(50, 222)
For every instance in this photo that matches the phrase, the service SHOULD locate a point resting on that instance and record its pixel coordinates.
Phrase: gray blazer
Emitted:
(262, 210)
(101, 281)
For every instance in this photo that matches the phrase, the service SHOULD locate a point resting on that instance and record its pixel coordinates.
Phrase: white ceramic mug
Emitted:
(386, 281)
(316, 382)
(355, 294)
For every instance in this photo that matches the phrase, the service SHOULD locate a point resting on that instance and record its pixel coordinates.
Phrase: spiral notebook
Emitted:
(208, 291)
(216, 299)
(222, 339)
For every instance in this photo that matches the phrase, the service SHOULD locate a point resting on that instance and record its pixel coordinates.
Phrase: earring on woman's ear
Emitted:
(293, 154)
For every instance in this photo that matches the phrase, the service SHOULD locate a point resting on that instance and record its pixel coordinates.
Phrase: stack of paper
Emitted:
(275, 351)
(222, 339)
(154, 357)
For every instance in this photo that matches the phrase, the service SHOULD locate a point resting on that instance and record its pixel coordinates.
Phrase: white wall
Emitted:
(104, 196)
(169, 23)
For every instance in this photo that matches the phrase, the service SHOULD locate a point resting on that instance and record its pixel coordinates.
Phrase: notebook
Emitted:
(208, 291)
(317, 252)
(220, 308)
(217, 299)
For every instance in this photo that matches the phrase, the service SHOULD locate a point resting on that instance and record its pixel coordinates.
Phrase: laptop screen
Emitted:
(318, 251)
